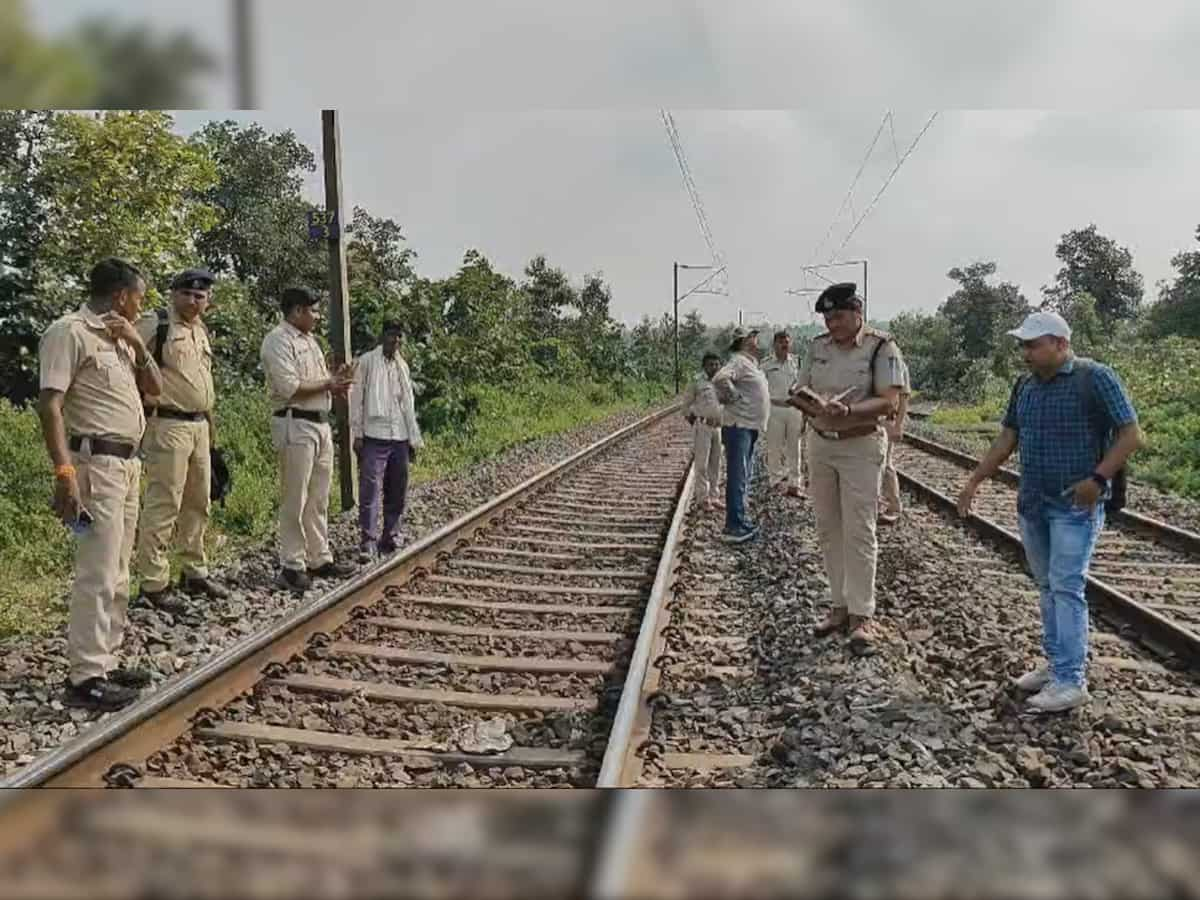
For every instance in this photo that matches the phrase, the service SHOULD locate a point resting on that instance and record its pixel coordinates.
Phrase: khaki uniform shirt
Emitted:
(700, 399)
(829, 369)
(96, 374)
(291, 358)
(750, 407)
(781, 376)
(187, 363)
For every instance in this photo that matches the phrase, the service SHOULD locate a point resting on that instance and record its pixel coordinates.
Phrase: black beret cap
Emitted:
(193, 280)
(839, 296)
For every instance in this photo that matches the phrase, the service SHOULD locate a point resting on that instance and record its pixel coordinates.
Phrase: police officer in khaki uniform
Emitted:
(177, 445)
(300, 388)
(849, 382)
(703, 412)
(783, 427)
(94, 366)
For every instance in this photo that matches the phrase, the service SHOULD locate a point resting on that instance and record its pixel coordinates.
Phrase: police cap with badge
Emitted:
(192, 280)
(839, 296)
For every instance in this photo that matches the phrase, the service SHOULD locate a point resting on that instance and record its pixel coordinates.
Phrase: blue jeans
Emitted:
(739, 470)
(1059, 538)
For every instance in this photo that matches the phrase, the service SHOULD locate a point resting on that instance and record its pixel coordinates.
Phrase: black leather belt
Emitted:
(861, 431)
(308, 415)
(101, 447)
(780, 403)
(166, 412)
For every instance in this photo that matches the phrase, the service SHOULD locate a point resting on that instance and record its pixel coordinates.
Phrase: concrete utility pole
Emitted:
(339, 295)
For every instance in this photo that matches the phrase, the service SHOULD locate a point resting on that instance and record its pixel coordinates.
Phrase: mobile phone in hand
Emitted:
(82, 522)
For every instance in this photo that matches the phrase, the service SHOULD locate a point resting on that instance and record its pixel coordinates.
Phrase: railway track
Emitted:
(1145, 572)
(510, 648)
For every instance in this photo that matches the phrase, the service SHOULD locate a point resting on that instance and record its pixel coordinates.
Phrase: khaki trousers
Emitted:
(305, 471)
(783, 445)
(890, 489)
(844, 489)
(178, 485)
(109, 489)
(706, 449)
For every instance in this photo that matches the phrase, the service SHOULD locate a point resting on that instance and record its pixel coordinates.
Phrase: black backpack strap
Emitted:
(1015, 397)
(160, 336)
(883, 339)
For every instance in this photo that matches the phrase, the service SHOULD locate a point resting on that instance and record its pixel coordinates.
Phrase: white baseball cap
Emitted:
(1038, 324)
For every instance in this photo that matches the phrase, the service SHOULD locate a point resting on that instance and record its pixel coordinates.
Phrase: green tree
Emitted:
(75, 188)
(1087, 329)
(980, 311)
(1178, 308)
(549, 293)
(24, 201)
(261, 233)
(1096, 265)
(123, 184)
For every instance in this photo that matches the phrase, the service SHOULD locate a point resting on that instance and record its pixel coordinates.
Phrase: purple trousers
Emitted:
(382, 469)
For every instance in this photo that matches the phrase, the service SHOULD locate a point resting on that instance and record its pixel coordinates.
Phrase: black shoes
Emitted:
(130, 678)
(163, 600)
(199, 585)
(99, 695)
(332, 569)
(293, 580)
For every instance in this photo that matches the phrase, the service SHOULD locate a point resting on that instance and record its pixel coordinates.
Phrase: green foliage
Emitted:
(35, 549)
(1178, 308)
(120, 184)
(1094, 264)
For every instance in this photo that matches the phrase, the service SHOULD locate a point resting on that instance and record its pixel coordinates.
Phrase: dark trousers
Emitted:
(382, 470)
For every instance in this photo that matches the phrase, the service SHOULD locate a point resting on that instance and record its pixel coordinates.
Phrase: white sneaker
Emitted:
(1033, 681)
(1059, 697)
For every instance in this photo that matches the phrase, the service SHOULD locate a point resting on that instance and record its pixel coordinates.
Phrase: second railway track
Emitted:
(1144, 570)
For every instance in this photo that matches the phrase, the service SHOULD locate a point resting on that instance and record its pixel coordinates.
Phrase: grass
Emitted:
(35, 550)
(1163, 380)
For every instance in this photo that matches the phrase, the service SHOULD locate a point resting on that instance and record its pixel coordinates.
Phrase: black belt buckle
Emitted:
(166, 412)
(101, 447)
(306, 415)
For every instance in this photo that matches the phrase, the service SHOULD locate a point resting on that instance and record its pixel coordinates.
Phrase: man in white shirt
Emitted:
(383, 423)
(742, 389)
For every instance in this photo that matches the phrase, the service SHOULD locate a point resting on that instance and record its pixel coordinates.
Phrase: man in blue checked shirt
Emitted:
(1076, 427)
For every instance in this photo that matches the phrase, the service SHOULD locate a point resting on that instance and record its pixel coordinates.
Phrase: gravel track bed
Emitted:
(1144, 498)
(1152, 579)
(32, 670)
(934, 706)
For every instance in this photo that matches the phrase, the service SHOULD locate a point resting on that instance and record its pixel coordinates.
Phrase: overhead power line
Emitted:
(689, 183)
(879, 194)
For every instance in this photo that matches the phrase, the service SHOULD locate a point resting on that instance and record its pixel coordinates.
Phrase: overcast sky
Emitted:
(529, 127)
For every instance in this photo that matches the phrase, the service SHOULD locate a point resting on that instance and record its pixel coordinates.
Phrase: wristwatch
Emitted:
(1100, 480)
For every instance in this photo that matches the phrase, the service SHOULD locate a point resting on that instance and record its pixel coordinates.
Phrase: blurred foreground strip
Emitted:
(210, 843)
